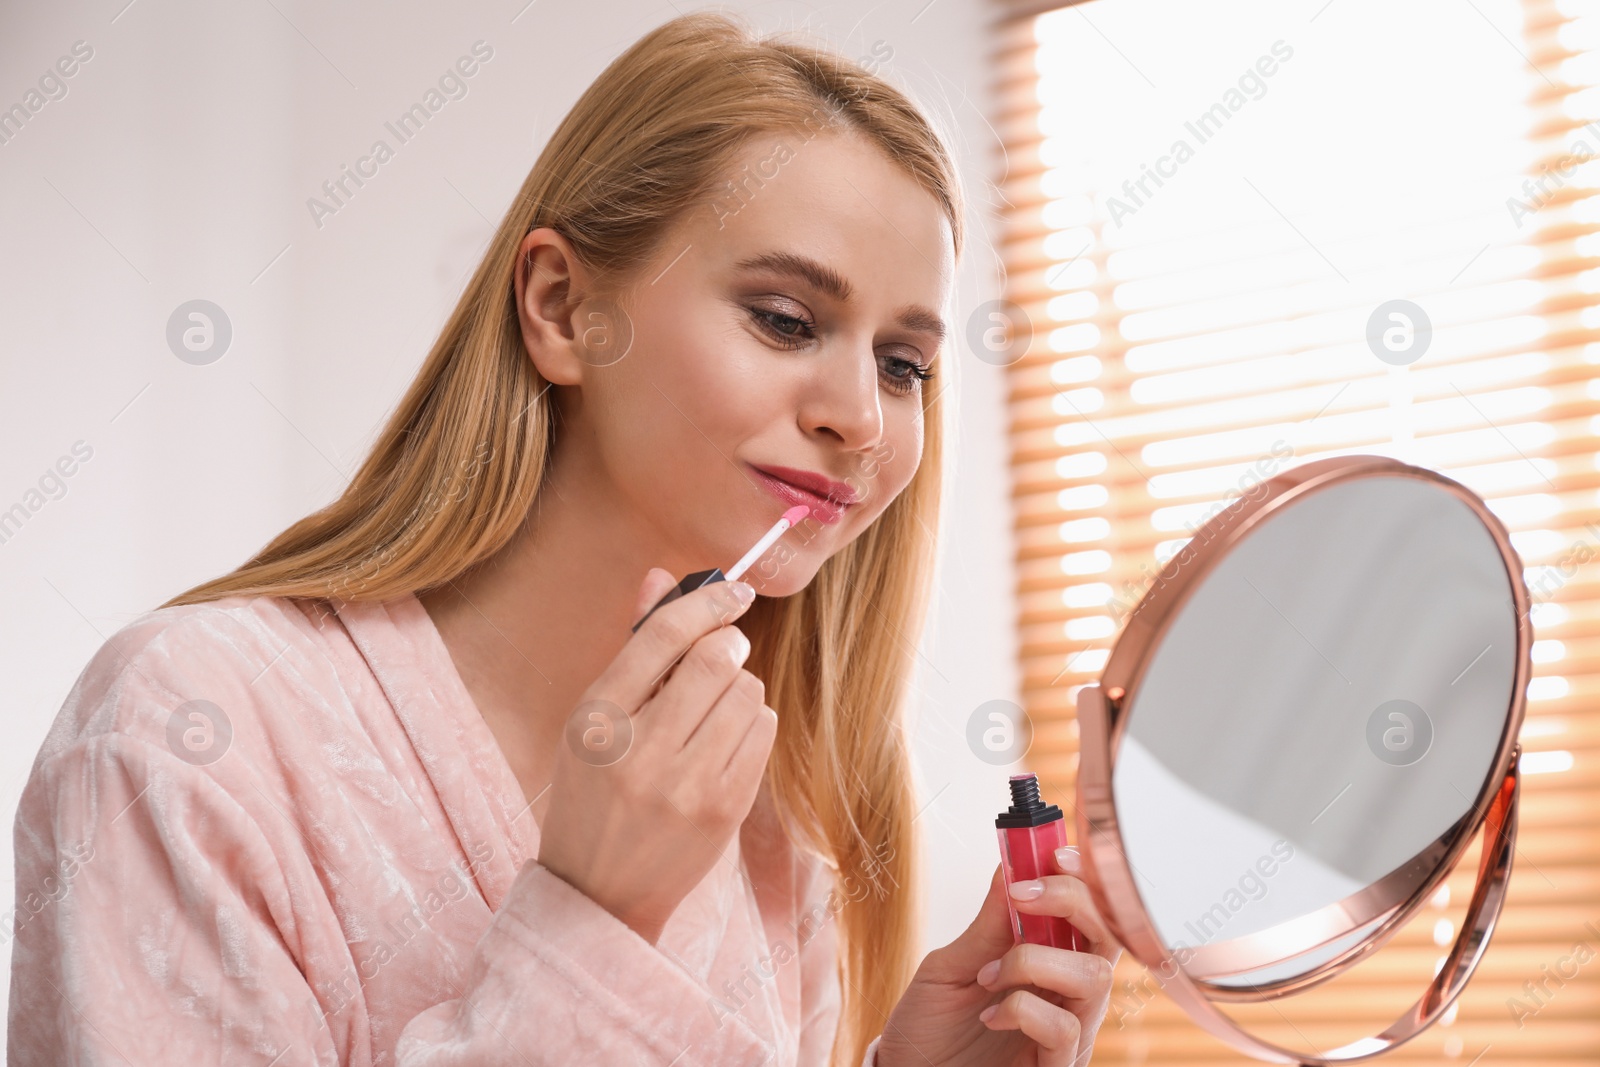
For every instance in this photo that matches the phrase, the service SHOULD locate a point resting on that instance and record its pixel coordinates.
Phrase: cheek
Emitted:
(670, 417)
(902, 451)
(886, 471)
(677, 398)
(696, 368)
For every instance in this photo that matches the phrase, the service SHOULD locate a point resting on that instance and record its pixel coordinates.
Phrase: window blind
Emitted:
(1211, 208)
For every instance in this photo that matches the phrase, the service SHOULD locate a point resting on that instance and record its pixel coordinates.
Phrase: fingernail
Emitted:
(1068, 860)
(987, 1013)
(987, 972)
(743, 652)
(743, 592)
(1026, 890)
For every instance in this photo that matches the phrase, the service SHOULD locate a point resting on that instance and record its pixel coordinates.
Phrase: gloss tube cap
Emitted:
(697, 580)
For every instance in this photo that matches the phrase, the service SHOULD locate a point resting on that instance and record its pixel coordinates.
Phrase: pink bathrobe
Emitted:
(266, 831)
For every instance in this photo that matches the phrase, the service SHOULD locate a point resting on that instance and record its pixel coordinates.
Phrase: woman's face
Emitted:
(771, 349)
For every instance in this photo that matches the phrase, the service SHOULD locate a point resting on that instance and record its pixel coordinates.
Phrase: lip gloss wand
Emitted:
(699, 579)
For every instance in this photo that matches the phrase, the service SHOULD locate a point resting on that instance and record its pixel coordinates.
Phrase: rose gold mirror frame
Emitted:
(1103, 723)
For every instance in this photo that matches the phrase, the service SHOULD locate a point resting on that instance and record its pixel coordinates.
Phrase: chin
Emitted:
(775, 580)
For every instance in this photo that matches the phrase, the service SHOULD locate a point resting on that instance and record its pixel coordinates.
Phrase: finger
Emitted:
(694, 688)
(1076, 975)
(1068, 897)
(656, 583)
(985, 938)
(713, 742)
(749, 760)
(1055, 1030)
(665, 636)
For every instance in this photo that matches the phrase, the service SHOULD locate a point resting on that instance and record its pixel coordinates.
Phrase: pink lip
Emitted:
(827, 499)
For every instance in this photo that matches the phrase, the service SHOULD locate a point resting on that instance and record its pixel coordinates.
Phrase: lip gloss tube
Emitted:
(1030, 831)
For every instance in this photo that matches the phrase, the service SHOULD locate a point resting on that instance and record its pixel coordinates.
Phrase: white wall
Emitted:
(178, 166)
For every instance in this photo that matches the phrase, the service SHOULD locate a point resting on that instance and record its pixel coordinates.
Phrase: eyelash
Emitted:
(916, 372)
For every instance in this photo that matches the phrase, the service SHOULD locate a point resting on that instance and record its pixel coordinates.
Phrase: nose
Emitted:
(841, 401)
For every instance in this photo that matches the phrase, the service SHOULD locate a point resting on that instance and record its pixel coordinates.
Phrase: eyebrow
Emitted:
(825, 279)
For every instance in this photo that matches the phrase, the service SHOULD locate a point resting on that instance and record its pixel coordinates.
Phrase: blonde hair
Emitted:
(457, 466)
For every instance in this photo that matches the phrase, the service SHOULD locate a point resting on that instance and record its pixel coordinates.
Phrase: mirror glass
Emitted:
(1324, 706)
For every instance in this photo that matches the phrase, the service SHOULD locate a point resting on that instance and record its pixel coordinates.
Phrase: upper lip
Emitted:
(812, 482)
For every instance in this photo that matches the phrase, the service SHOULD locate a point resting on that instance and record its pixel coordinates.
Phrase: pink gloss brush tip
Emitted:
(796, 513)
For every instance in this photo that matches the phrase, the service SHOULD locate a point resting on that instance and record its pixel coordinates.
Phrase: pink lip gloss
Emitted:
(1030, 831)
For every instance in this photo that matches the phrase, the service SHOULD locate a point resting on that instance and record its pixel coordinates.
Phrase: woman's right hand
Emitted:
(654, 778)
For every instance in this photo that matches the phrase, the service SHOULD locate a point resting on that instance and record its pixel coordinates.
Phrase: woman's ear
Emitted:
(550, 282)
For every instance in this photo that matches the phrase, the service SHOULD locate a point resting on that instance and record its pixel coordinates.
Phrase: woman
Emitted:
(406, 788)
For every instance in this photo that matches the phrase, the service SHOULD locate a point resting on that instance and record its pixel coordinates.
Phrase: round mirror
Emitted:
(1304, 723)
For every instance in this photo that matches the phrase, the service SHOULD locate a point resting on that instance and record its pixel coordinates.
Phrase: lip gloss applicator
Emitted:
(699, 579)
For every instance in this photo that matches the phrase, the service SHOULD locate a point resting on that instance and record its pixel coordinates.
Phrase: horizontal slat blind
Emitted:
(1217, 332)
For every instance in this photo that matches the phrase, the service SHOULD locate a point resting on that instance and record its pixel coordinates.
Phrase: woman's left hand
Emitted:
(1049, 1002)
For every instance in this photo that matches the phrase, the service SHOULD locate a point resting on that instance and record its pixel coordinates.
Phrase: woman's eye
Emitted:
(782, 326)
(792, 331)
(905, 374)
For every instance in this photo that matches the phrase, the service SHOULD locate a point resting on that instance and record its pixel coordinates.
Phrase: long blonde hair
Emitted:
(457, 467)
